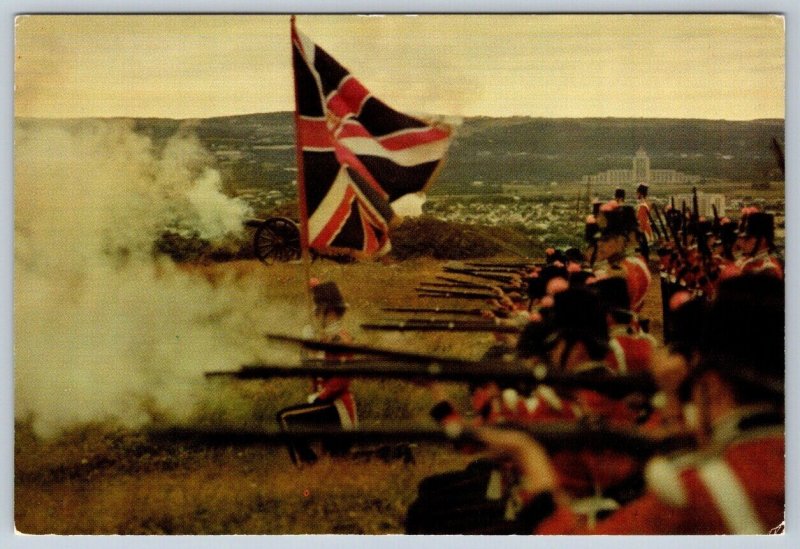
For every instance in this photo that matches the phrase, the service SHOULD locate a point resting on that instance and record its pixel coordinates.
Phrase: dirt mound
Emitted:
(427, 236)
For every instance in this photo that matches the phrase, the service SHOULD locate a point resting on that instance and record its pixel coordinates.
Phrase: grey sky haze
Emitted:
(182, 66)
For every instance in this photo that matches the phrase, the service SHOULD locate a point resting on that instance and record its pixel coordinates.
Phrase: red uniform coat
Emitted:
(643, 218)
(336, 390)
(637, 276)
(630, 353)
(763, 263)
(734, 487)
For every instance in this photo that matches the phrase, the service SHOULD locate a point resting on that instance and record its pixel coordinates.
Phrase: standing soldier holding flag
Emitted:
(355, 156)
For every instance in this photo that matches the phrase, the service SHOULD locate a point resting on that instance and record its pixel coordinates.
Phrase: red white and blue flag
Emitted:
(355, 155)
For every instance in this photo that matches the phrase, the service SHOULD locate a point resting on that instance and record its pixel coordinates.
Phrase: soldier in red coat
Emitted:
(643, 212)
(331, 404)
(631, 348)
(734, 484)
(756, 242)
(616, 256)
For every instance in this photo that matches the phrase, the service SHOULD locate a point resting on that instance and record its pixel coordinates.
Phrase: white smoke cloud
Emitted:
(102, 329)
(409, 205)
(217, 215)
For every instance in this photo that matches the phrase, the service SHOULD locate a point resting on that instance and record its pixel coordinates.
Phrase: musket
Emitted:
(440, 326)
(469, 285)
(510, 265)
(435, 310)
(683, 224)
(472, 372)
(454, 285)
(495, 269)
(479, 274)
(555, 435)
(352, 348)
(465, 282)
(484, 322)
(716, 218)
(499, 370)
(661, 221)
(653, 224)
(673, 228)
(432, 292)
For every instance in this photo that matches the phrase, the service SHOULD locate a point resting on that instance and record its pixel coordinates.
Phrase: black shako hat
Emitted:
(642, 189)
(578, 315)
(327, 294)
(759, 225)
(574, 255)
(617, 222)
(592, 232)
(537, 286)
(685, 326)
(613, 293)
(536, 339)
(619, 194)
(727, 233)
(743, 332)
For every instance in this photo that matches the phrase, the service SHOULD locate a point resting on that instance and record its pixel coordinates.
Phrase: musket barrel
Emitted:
(478, 274)
(664, 230)
(552, 435)
(407, 326)
(445, 286)
(653, 224)
(453, 294)
(450, 368)
(351, 348)
(501, 264)
(460, 371)
(434, 310)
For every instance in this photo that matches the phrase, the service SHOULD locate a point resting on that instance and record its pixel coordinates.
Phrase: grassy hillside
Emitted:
(521, 149)
(105, 479)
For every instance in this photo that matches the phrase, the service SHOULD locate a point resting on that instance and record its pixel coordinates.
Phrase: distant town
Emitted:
(553, 213)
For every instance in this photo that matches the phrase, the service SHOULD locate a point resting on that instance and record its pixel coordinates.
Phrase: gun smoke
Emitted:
(104, 329)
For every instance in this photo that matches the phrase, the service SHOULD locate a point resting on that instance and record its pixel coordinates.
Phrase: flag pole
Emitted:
(302, 205)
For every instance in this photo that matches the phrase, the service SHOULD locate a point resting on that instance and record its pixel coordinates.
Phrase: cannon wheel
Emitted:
(277, 239)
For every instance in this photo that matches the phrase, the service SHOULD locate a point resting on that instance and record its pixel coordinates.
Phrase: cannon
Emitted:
(278, 239)
(275, 239)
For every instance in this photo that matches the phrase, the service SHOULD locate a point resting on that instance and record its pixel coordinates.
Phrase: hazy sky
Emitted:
(677, 66)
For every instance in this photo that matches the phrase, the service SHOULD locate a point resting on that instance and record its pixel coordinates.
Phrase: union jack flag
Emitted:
(355, 155)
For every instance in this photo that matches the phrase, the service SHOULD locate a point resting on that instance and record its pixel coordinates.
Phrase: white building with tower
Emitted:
(640, 172)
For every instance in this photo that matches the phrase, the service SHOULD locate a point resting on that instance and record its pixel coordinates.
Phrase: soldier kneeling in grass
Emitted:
(331, 404)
